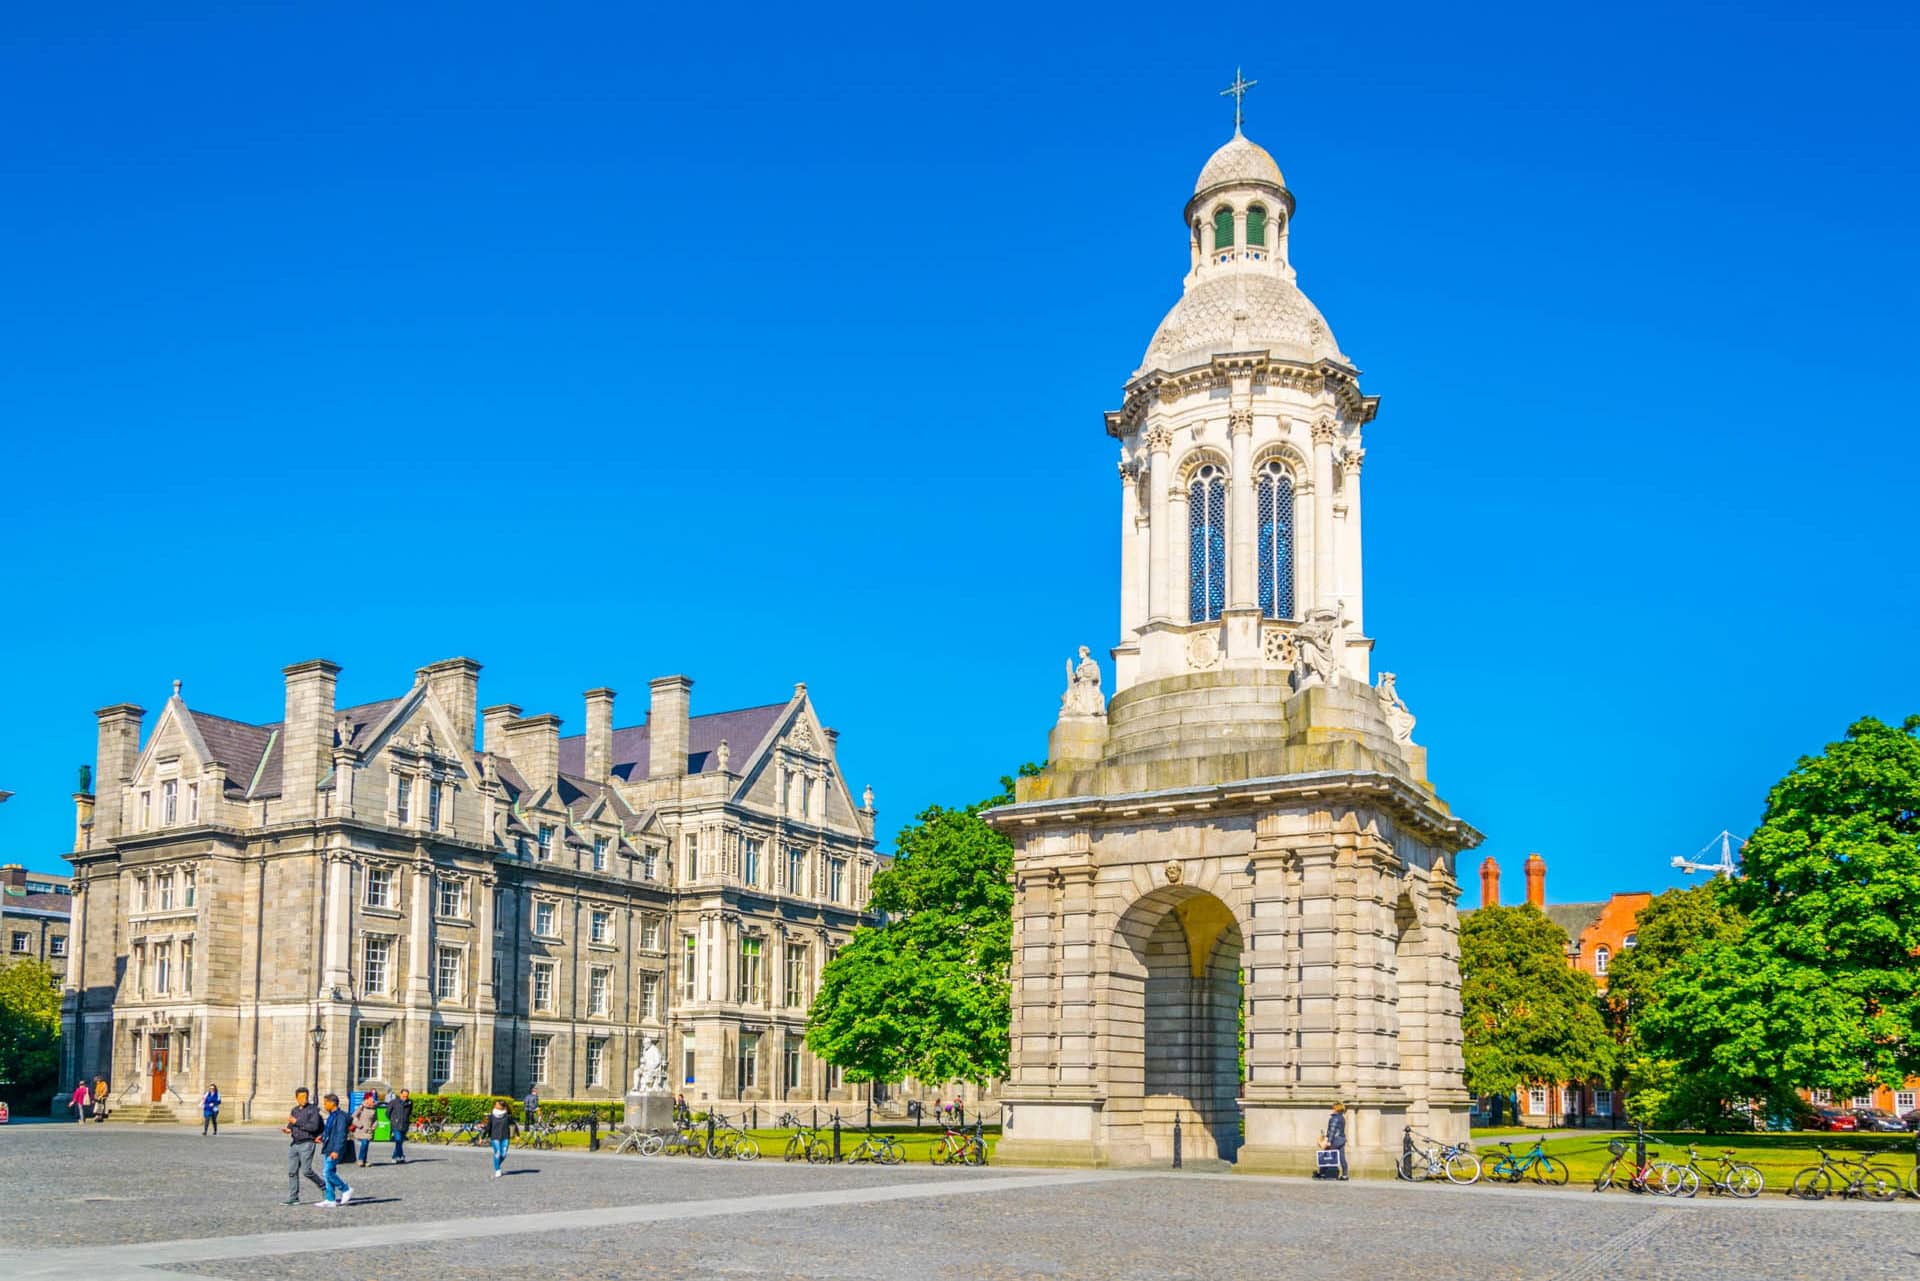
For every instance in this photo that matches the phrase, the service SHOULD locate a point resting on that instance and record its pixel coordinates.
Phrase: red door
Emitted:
(157, 1064)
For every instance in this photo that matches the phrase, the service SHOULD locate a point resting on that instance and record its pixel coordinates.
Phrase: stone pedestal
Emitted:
(649, 1111)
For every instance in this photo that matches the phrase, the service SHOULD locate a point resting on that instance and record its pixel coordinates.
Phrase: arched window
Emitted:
(1256, 226)
(1223, 230)
(1600, 958)
(1275, 503)
(1206, 544)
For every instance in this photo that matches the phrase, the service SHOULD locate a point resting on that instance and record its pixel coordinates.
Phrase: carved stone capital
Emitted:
(1323, 432)
(1158, 439)
(1239, 422)
(1350, 460)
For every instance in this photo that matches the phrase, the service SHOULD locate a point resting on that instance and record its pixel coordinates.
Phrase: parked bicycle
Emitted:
(1534, 1163)
(958, 1147)
(1735, 1178)
(884, 1149)
(807, 1144)
(1845, 1176)
(643, 1142)
(1426, 1159)
(1640, 1174)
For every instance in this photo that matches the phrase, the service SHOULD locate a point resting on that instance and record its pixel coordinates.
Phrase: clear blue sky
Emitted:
(602, 342)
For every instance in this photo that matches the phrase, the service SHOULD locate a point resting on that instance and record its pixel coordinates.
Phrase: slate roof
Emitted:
(1574, 918)
(742, 730)
(19, 899)
(238, 746)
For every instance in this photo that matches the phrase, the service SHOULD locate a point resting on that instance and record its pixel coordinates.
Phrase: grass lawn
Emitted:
(1500, 1131)
(1777, 1156)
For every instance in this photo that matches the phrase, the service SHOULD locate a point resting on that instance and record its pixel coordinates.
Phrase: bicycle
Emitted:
(1816, 1182)
(957, 1147)
(1736, 1178)
(731, 1143)
(643, 1142)
(881, 1149)
(1639, 1181)
(1535, 1163)
(1453, 1160)
(806, 1144)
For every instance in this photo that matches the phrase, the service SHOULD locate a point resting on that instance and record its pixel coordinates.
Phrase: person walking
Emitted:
(365, 1117)
(210, 1111)
(302, 1129)
(100, 1098)
(336, 1145)
(82, 1100)
(532, 1106)
(500, 1128)
(399, 1117)
(1337, 1135)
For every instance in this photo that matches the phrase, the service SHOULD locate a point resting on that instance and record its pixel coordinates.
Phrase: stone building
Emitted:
(356, 896)
(1248, 826)
(35, 918)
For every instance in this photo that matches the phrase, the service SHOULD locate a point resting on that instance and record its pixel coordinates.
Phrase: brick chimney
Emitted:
(1489, 883)
(1537, 881)
(599, 734)
(455, 685)
(493, 723)
(533, 745)
(114, 758)
(306, 735)
(667, 726)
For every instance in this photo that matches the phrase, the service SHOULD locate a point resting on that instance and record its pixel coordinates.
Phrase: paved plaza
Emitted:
(121, 1202)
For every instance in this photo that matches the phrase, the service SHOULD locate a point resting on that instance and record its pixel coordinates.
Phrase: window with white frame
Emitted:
(1823, 1096)
(162, 968)
(599, 982)
(796, 871)
(601, 922)
(189, 887)
(546, 842)
(146, 810)
(403, 798)
(170, 802)
(452, 896)
(1537, 1100)
(440, 1057)
(792, 1074)
(690, 864)
(543, 920)
(537, 1059)
(1603, 1102)
(379, 887)
(596, 1061)
(56, 946)
(749, 991)
(747, 1068)
(650, 933)
(689, 955)
(650, 862)
(1863, 1100)
(138, 979)
(139, 893)
(1629, 940)
(376, 968)
(750, 861)
(446, 974)
(542, 985)
(186, 966)
(163, 890)
(21, 942)
(433, 807)
(1902, 1100)
(193, 802)
(649, 996)
(599, 853)
(1600, 958)
(796, 976)
(837, 880)
(370, 1065)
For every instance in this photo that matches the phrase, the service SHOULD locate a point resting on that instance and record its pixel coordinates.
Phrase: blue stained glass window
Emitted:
(1206, 544)
(1275, 514)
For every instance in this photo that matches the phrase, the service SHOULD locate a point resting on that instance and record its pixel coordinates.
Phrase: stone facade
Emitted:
(1246, 828)
(451, 919)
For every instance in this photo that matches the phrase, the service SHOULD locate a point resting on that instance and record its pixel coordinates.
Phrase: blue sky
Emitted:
(599, 342)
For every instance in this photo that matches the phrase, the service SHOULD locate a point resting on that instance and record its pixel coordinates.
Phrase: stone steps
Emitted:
(145, 1114)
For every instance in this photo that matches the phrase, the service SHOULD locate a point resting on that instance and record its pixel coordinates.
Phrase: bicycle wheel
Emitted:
(894, 1153)
(818, 1153)
(1463, 1168)
(1745, 1182)
(1551, 1171)
(796, 1149)
(1879, 1184)
(1812, 1183)
(977, 1152)
(940, 1153)
(1678, 1180)
(1604, 1180)
(746, 1149)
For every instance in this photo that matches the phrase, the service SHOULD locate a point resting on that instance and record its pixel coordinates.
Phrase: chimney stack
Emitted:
(455, 685)
(600, 734)
(306, 735)
(533, 745)
(1489, 883)
(667, 726)
(114, 758)
(493, 722)
(1537, 881)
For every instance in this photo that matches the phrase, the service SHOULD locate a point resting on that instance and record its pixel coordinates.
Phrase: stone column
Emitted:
(1159, 442)
(486, 1000)
(1350, 583)
(1242, 572)
(339, 940)
(1132, 602)
(418, 1005)
(1325, 585)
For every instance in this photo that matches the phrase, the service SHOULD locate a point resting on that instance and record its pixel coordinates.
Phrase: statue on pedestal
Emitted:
(1399, 718)
(651, 1076)
(1314, 642)
(1083, 696)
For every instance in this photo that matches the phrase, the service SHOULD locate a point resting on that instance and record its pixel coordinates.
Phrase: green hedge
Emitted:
(463, 1109)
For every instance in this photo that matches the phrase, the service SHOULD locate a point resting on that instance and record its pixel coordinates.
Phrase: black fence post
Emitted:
(816, 1116)
(709, 1151)
(1176, 1140)
(593, 1130)
(836, 1136)
(1406, 1154)
(869, 1112)
(980, 1134)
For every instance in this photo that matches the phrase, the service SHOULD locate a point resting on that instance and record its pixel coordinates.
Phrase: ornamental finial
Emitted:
(1238, 92)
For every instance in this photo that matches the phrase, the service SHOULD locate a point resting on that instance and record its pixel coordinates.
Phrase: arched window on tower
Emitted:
(1222, 231)
(1206, 544)
(1275, 503)
(1256, 226)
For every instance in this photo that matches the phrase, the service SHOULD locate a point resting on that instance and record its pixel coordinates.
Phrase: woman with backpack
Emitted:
(500, 1128)
(365, 1117)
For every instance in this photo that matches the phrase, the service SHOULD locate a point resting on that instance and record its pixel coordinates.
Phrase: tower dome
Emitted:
(1241, 160)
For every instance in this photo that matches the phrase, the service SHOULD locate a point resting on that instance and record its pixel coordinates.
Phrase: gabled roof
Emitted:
(239, 746)
(743, 730)
(1574, 918)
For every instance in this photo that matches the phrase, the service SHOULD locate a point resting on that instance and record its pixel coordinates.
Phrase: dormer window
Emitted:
(403, 799)
(1223, 232)
(599, 853)
(546, 842)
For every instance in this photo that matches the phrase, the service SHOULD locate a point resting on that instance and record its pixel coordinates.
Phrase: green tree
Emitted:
(1526, 1015)
(29, 1025)
(1672, 925)
(925, 993)
(1822, 989)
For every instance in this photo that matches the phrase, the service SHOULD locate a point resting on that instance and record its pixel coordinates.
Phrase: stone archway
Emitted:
(1174, 1000)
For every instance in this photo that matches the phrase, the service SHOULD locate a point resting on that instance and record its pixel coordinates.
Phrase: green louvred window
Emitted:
(1223, 230)
(1257, 226)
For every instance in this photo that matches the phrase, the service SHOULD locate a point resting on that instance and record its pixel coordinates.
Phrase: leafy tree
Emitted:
(29, 1025)
(1526, 1015)
(926, 992)
(1822, 989)
(1673, 924)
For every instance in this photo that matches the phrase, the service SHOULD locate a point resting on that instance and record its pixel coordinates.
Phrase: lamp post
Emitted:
(319, 1034)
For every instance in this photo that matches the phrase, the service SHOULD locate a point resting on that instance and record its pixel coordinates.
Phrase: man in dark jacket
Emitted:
(399, 1117)
(1337, 1134)
(336, 1146)
(532, 1106)
(303, 1132)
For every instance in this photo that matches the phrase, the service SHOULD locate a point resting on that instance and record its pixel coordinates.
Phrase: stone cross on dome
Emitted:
(1238, 92)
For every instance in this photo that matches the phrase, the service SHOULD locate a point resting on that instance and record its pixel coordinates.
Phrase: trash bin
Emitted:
(382, 1132)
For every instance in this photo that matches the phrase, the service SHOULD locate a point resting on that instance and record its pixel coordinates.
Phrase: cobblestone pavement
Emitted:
(143, 1203)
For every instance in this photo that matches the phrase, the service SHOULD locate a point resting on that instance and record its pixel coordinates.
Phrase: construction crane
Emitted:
(1726, 867)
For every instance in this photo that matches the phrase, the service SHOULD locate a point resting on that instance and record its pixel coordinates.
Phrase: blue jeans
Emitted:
(399, 1146)
(334, 1181)
(499, 1152)
(364, 1145)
